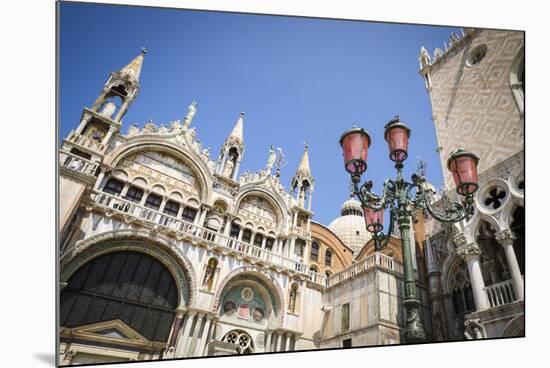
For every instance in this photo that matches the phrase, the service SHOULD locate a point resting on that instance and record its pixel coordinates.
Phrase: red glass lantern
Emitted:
(374, 219)
(397, 135)
(463, 165)
(355, 144)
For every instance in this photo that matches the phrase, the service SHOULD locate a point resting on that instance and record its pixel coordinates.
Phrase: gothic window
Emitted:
(462, 296)
(188, 214)
(314, 251)
(130, 286)
(171, 208)
(134, 194)
(247, 236)
(328, 273)
(153, 201)
(113, 186)
(328, 258)
(345, 317)
(313, 268)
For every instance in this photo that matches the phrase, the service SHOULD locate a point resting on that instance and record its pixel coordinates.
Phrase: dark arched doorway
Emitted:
(130, 286)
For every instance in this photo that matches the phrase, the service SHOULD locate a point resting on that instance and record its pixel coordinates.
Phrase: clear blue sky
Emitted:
(297, 79)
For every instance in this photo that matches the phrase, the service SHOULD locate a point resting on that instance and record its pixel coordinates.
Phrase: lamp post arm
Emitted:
(373, 201)
(454, 212)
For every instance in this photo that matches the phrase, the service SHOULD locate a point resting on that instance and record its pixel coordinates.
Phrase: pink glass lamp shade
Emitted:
(463, 165)
(397, 135)
(355, 144)
(374, 219)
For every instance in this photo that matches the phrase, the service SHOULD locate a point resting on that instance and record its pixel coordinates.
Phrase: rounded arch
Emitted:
(269, 282)
(141, 143)
(449, 265)
(139, 241)
(515, 327)
(140, 181)
(274, 201)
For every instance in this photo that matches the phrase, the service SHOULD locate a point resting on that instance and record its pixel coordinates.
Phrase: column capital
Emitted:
(468, 251)
(180, 312)
(505, 237)
(459, 239)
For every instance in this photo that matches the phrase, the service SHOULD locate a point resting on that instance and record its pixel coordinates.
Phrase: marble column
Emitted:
(287, 342)
(267, 341)
(184, 337)
(506, 239)
(176, 326)
(470, 253)
(279, 342)
(205, 336)
(99, 180)
(193, 341)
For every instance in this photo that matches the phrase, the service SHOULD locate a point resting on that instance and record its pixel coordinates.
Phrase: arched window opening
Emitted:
(269, 244)
(189, 214)
(328, 258)
(314, 251)
(153, 201)
(247, 236)
(518, 227)
(134, 194)
(130, 286)
(113, 186)
(258, 239)
(171, 208)
(234, 231)
(494, 265)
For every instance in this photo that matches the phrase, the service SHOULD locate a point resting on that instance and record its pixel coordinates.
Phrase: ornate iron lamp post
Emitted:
(404, 199)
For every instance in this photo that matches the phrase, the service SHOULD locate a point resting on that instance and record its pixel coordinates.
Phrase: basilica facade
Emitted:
(168, 251)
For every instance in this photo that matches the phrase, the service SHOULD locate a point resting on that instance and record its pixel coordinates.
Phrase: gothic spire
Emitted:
(133, 69)
(303, 168)
(236, 134)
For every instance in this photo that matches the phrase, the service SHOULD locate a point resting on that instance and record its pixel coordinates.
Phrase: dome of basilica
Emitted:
(350, 226)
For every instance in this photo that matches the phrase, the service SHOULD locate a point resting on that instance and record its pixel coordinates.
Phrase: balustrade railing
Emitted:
(169, 222)
(301, 231)
(86, 142)
(77, 163)
(500, 294)
(372, 261)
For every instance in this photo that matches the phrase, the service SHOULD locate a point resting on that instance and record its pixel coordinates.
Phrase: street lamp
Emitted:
(403, 200)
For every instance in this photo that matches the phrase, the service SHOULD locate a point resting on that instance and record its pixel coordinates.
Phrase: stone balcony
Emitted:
(183, 230)
(86, 142)
(376, 260)
(76, 165)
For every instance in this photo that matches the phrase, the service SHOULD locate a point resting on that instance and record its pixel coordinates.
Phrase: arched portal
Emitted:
(129, 286)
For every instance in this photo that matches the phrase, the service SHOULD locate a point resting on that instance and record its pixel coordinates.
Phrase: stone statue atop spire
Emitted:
(270, 159)
(191, 111)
